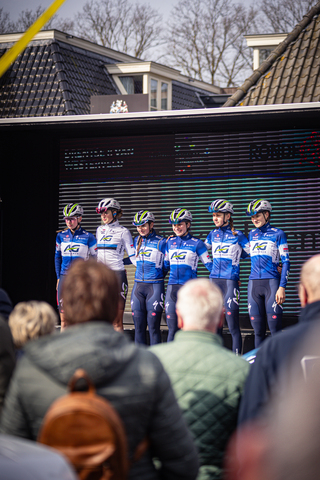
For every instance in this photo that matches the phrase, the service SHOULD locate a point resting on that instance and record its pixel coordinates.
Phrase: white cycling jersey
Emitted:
(112, 241)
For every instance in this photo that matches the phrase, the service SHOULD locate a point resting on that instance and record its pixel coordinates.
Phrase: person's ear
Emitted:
(180, 319)
(222, 315)
(303, 295)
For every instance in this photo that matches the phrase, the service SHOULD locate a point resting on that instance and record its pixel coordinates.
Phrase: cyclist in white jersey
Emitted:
(112, 240)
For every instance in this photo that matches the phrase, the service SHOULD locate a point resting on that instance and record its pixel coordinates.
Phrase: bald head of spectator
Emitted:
(309, 288)
(199, 306)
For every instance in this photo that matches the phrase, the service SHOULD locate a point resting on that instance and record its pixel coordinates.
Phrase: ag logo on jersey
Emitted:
(178, 256)
(72, 248)
(224, 249)
(260, 246)
(145, 253)
(106, 238)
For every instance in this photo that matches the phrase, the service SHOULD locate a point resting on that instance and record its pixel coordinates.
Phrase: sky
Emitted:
(71, 7)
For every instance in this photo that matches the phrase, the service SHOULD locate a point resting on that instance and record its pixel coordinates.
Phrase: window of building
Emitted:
(132, 84)
(153, 94)
(264, 54)
(164, 96)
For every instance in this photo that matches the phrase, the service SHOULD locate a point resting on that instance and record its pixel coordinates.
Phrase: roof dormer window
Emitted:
(132, 84)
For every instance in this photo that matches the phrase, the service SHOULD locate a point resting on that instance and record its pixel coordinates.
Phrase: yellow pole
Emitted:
(9, 57)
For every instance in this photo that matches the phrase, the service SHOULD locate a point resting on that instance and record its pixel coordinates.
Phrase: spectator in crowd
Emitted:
(5, 304)
(275, 350)
(131, 378)
(7, 352)
(283, 443)
(31, 320)
(206, 377)
(20, 458)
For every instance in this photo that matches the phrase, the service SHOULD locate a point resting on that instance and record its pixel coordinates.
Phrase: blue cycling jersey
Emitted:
(267, 246)
(182, 256)
(150, 258)
(71, 246)
(227, 250)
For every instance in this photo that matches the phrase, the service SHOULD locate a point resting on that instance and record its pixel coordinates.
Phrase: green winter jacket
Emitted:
(208, 380)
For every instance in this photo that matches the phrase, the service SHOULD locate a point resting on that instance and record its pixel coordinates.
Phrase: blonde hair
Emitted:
(232, 227)
(31, 320)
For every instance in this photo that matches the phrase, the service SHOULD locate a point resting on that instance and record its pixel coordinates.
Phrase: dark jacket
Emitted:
(131, 378)
(5, 304)
(7, 358)
(208, 380)
(270, 357)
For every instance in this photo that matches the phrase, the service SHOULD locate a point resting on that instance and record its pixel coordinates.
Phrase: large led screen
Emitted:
(189, 170)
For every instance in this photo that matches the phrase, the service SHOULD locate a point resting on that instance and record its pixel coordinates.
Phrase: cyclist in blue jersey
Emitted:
(148, 290)
(266, 288)
(182, 254)
(112, 240)
(71, 243)
(228, 247)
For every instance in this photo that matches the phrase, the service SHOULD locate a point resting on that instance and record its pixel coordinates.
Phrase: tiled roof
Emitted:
(186, 96)
(57, 76)
(291, 73)
(53, 78)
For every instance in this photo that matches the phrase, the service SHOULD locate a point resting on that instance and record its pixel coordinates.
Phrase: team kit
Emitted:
(178, 255)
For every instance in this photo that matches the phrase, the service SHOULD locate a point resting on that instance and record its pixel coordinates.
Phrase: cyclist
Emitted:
(183, 251)
(72, 243)
(148, 290)
(112, 240)
(266, 288)
(228, 247)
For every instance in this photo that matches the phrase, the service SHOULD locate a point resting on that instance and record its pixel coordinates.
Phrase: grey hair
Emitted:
(200, 304)
(30, 320)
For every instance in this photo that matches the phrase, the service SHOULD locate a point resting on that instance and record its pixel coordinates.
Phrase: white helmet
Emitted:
(180, 215)
(221, 205)
(107, 203)
(72, 210)
(142, 217)
(258, 205)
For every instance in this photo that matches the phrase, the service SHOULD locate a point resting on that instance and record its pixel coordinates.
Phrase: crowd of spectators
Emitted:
(207, 413)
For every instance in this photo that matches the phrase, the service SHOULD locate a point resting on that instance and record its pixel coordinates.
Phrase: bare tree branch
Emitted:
(281, 16)
(117, 24)
(28, 17)
(6, 26)
(206, 39)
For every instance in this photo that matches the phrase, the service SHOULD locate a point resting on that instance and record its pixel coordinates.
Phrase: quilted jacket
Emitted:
(131, 378)
(208, 380)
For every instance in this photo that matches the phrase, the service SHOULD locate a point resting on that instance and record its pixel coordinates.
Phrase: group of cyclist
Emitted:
(154, 256)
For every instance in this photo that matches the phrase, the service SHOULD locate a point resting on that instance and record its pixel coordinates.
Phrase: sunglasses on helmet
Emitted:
(102, 210)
